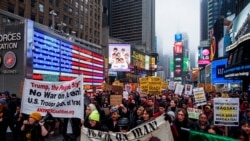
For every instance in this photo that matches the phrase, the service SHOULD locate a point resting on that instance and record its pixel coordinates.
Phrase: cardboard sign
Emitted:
(194, 113)
(115, 100)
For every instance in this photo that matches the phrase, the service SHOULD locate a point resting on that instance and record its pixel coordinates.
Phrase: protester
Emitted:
(34, 129)
(202, 124)
(71, 129)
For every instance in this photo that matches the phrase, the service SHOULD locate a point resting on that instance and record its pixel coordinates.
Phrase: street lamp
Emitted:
(52, 12)
(62, 24)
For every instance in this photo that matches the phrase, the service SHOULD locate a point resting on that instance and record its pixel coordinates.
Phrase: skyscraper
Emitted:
(133, 21)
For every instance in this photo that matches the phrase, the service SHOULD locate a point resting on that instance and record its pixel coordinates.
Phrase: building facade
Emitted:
(82, 18)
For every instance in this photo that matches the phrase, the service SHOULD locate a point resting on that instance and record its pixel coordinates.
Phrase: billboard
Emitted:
(178, 48)
(218, 67)
(178, 37)
(203, 56)
(119, 57)
(58, 58)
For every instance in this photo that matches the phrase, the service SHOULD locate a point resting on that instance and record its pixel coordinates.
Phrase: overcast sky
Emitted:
(174, 16)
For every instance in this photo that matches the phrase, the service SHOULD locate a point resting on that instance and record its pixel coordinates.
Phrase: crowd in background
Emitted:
(133, 111)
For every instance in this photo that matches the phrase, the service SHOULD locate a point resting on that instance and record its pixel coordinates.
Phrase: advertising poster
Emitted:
(226, 111)
(61, 99)
(204, 56)
(119, 57)
(199, 96)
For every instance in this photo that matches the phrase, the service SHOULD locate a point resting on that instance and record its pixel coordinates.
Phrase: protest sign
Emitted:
(157, 129)
(154, 85)
(61, 99)
(144, 84)
(188, 89)
(115, 100)
(178, 89)
(226, 111)
(171, 85)
(117, 89)
(199, 96)
(194, 113)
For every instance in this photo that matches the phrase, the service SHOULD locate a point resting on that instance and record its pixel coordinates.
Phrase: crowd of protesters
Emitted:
(133, 111)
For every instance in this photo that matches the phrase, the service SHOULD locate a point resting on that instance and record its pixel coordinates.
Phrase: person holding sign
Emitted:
(33, 128)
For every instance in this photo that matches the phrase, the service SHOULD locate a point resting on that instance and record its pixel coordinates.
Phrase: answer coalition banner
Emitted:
(156, 129)
(61, 99)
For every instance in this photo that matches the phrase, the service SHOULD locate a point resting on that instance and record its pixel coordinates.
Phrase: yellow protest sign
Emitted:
(86, 87)
(154, 85)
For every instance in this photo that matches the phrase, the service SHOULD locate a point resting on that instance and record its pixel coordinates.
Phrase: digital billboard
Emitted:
(119, 57)
(178, 48)
(53, 56)
(203, 56)
(147, 62)
(218, 67)
(178, 37)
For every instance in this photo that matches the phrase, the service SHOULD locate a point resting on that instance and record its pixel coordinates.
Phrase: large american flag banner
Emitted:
(52, 56)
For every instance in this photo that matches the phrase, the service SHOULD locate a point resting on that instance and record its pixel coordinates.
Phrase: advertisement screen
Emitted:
(204, 56)
(218, 67)
(178, 48)
(56, 57)
(119, 57)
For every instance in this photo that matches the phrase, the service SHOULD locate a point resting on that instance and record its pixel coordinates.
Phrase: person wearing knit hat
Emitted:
(94, 116)
(33, 128)
(36, 115)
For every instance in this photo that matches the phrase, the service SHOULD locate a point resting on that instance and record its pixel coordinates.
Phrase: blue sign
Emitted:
(178, 37)
(218, 67)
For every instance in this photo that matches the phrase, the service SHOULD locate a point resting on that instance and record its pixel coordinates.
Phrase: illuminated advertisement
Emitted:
(119, 57)
(178, 48)
(185, 64)
(218, 67)
(203, 56)
(146, 62)
(138, 59)
(178, 37)
(52, 56)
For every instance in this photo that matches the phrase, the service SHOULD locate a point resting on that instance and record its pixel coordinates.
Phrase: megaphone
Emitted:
(47, 117)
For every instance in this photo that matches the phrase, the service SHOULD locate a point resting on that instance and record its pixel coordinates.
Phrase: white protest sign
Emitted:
(158, 128)
(171, 85)
(61, 99)
(188, 89)
(226, 111)
(199, 96)
(179, 89)
(194, 113)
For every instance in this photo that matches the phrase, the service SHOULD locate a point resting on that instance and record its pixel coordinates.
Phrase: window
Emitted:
(21, 1)
(51, 1)
(81, 8)
(70, 10)
(76, 4)
(86, 1)
(41, 8)
(40, 20)
(21, 11)
(33, 3)
(33, 17)
(11, 7)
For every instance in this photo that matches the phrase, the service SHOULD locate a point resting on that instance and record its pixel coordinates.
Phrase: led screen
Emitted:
(57, 57)
(119, 57)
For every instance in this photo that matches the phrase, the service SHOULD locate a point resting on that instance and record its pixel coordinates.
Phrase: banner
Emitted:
(157, 129)
(61, 99)
(201, 136)
(199, 96)
(179, 89)
(194, 113)
(226, 111)
(188, 89)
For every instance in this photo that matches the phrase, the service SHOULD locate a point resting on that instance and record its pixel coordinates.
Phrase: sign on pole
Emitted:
(199, 96)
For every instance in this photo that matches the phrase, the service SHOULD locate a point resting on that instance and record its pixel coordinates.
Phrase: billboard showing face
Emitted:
(119, 57)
